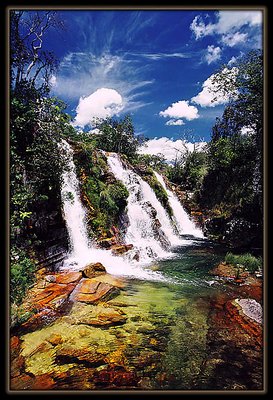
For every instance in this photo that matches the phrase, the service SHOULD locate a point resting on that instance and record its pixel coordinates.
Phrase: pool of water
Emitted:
(166, 343)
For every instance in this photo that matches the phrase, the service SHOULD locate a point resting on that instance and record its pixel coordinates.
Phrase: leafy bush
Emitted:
(22, 270)
(247, 260)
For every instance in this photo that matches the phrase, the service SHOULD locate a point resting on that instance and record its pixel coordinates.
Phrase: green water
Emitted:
(163, 344)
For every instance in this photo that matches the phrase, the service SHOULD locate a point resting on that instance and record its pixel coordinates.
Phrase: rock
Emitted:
(106, 317)
(89, 286)
(111, 280)
(50, 278)
(17, 366)
(36, 321)
(121, 249)
(108, 242)
(28, 382)
(42, 298)
(70, 277)
(68, 355)
(15, 347)
(100, 291)
(93, 269)
(251, 308)
(55, 339)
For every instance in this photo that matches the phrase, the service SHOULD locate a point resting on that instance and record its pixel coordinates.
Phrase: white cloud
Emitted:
(232, 61)
(233, 20)
(200, 29)
(227, 21)
(100, 104)
(175, 122)
(213, 54)
(80, 74)
(213, 94)
(232, 28)
(180, 109)
(232, 39)
(169, 148)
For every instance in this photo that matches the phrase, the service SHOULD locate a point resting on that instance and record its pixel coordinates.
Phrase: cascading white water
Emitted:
(73, 209)
(141, 200)
(183, 222)
(82, 250)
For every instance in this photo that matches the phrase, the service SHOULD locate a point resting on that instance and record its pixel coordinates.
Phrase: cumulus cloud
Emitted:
(180, 109)
(231, 27)
(212, 94)
(227, 21)
(170, 149)
(200, 29)
(175, 122)
(213, 54)
(231, 39)
(102, 103)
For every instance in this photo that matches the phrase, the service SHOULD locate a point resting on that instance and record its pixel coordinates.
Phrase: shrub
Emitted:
(247, 260)
(22, 270)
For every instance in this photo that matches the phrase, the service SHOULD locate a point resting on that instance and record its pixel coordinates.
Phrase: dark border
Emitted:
(141, 7)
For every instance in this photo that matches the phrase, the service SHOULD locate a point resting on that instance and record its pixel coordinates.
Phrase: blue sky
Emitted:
(155, 65)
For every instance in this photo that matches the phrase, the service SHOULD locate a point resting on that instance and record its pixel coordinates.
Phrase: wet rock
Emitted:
(50, 278)
(100, 291)
(75, 378)
(113, 378)
(111, 280)
(70, 277)
(17, 366)
(42, 298)
(105, 317)
(85, 356)
(15, 347)
(93, 269)
(31, 382)
(121, 249)
(108, 242)
(36, 321)
(55, 339)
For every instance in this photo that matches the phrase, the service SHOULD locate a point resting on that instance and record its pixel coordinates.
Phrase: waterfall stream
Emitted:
(150, 229)
(182, 221)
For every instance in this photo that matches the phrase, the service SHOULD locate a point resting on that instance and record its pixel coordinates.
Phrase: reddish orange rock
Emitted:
(69, 277)
(253, 328)
(89, 286)
(28, 382)
(104, 291)
(42, 298)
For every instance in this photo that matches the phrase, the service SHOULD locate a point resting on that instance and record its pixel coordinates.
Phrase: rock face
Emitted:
(92, 292)
(121, 249)
(93, 269)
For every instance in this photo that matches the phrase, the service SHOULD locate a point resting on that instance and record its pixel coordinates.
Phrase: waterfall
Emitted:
(144, 211)
(72, 206)
(183, 223)
(82, 250)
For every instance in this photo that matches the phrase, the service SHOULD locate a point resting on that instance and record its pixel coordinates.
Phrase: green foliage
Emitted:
(105, 200)
(155, 162)
(118, 136)
(247, 260)
(189, 170)
(22, 270)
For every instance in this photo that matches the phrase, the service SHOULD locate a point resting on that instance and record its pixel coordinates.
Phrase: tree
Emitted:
(235, 153)
(118, 136)
(28, 60)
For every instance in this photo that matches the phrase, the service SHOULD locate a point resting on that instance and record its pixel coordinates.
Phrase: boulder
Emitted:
(93, 269)
(98, 291)
(121, 249)
(107, 242)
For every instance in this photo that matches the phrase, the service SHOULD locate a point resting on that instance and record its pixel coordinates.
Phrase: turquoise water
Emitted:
(173, 338)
